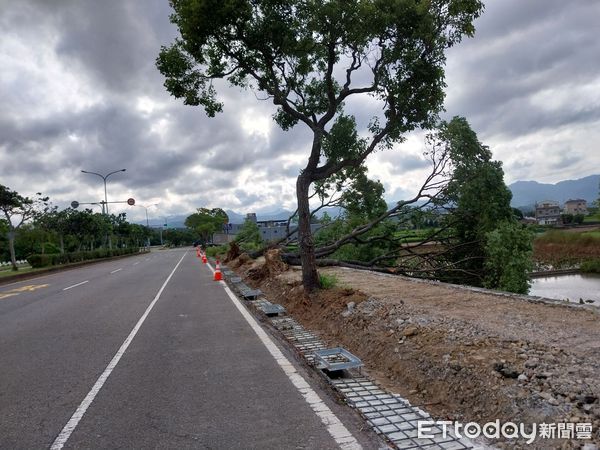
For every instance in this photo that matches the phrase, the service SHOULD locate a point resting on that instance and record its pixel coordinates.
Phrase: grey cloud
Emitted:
(520, 49)
(403, 162)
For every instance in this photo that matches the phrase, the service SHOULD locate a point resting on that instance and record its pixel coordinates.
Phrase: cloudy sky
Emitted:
(79, 90)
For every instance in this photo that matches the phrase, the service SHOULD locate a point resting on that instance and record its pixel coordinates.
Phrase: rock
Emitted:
(348, 312)
(505, 371)
(410, 331)
(549, 398)
(532, 363)
(522, 377)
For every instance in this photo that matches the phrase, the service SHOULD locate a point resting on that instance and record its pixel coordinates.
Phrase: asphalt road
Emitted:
(194, 374)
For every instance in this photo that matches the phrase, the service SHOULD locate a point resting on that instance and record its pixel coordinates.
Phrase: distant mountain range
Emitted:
(527, 193)
(178, 221)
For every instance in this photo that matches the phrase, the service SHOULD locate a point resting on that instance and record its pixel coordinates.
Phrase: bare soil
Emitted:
(463, 355)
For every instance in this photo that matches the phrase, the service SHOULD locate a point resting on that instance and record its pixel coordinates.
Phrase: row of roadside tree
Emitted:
(33, 226)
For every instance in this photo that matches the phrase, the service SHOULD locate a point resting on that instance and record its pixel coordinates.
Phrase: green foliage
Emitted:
(176, 238)
(17, 210)
(206, 221)
(291, 44)
(590, 266)
(566, 218)
(219, 250)
(249, 237)
(578, 219)
(309, 58)
(477, 198)
(327, 281)
(508, 258)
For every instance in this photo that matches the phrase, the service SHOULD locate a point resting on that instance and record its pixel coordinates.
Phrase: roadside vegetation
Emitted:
(33, 229)
(328, 281)
(311, 59)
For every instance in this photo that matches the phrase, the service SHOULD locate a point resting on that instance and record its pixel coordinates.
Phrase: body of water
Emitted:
(571, 287)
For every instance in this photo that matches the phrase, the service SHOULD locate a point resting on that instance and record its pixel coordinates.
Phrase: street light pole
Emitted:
(104, 177)
(148, 223)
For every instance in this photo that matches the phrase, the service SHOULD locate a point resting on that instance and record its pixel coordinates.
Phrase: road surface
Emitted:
(150, 352)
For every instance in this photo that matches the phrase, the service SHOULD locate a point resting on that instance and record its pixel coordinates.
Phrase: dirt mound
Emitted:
(273, 265)
(233, 252)
(461, 355)
(240, 261)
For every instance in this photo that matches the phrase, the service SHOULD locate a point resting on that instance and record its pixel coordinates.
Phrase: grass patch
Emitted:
(9, 273)
(216, 251)
(328, 281)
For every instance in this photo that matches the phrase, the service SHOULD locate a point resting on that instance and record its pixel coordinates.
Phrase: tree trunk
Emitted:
(11, 246)
(62, 244)
(310, 276)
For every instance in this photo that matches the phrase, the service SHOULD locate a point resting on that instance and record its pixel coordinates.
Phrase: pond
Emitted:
(571, 287)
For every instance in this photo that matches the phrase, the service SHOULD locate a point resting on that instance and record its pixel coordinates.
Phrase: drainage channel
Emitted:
(388, 414)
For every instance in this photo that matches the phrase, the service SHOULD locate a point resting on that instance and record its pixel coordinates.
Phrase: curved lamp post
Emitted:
(104, 177)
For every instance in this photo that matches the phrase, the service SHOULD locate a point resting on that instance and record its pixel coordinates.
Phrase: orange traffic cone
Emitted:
(204, 260)
(218, 276)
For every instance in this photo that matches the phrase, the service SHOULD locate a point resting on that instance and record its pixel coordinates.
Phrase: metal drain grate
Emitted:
(394, 417)
(272, 309)
(388, 414)
(337, 358)
(304, 341)
(250, 294)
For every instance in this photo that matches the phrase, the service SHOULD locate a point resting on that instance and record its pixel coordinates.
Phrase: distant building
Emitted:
(270, 230)
(547, 212)
(578, 206)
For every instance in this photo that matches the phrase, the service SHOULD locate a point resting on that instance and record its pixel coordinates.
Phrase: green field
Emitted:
(411, 236)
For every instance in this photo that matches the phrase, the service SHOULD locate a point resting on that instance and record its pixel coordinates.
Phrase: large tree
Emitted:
(205, 222)
(478, 203)
(309, 57)
(17, 210)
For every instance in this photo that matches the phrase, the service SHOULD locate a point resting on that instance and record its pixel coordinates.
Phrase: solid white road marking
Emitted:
(335, 427)
(114, 271)
(68, 429)
(75, 285)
